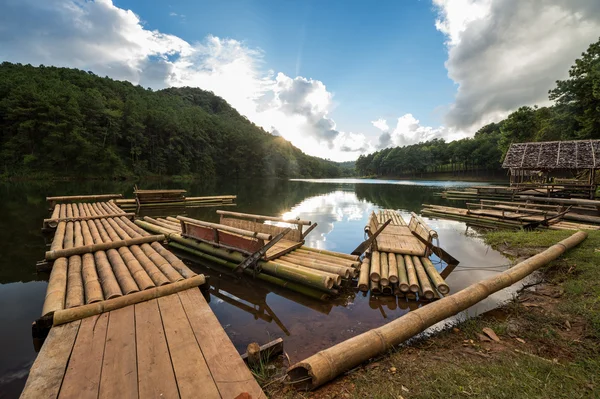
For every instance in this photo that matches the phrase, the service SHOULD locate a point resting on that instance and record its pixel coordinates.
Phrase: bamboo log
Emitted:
(393, 268)
(343, 272)
(413, 282)
(375, 288)
(59, 237)
(432, 233)
(108, 280)
(57, 287)
(387, 290)
(311, 278)
(81, 312)
(332, 253)
(160, 223)
(242, 232)
(403, 284)
(424, 283)
(52, 223)
(263, 217)
(435, 276)
(91, 284)
(299, 288)
(385, 270)
(55, 212)
(327, 364)
(363, 278)
(75, 294)
(375, 266)
(69, 210)
(80, 250)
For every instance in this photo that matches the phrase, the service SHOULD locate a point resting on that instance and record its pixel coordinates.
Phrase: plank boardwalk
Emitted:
(170, 347)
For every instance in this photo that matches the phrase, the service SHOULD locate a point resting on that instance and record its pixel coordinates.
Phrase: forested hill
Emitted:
(575, 115)
(68, 122)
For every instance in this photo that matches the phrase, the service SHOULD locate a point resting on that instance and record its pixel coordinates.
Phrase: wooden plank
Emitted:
(282, 248)
(46, 374)
(191, 371)
(227, 367)
(155, 371)
(82, 379)
(119, 365)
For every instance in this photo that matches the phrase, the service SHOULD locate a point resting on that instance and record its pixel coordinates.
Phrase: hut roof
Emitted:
(577, 154)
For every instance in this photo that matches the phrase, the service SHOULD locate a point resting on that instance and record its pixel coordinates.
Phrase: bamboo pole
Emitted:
(57, 287)
(307, 277)
(84, 197)
(332, 253)
(393, 268)
(387, 290)
(108, 281)
(385, 270)
(263, 217)
(69, 210)
(363, 278)
(75, 294)
(242, 232)
(299, 288)
(327, 364)
(159, 223)
(435, 276)
(91, 284)
(425, 285)
(403, 284)
(55, 212)
(375, 266)
(375, 288)
(413, 282)
(84, 249)
(81, 312)
(337, 279)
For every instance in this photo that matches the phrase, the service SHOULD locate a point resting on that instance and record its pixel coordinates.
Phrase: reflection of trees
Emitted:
(393, 196)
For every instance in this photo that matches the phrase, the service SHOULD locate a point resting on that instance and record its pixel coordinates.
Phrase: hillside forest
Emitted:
(574, 115)
(66, 122)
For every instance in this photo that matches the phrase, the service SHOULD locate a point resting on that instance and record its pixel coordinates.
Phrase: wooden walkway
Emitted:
(125, 335)
(170, 347)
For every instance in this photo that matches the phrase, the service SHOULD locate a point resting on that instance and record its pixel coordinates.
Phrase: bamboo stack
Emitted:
(196, 202)
(299, 269)
(411, 277)
(98, 254)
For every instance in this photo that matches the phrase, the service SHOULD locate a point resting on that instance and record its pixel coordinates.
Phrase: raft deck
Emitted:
(171, 347)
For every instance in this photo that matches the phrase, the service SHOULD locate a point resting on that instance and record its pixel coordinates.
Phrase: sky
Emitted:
(337, 78)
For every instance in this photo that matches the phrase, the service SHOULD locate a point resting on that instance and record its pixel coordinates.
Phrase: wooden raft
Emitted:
(170, 347)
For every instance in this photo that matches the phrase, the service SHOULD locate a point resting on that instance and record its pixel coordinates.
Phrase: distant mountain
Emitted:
(68, 122)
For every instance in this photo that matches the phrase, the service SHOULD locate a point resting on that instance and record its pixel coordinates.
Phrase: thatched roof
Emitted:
(581, 154)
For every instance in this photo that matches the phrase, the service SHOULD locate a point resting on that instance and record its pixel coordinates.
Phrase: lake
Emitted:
(249, 310)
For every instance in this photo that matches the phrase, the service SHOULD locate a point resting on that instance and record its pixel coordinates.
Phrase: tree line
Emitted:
(71, 123)
(575, 115)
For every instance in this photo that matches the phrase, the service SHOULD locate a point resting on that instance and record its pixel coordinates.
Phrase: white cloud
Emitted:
(409, 131)
(381, 124)
(508, 53)
(98, 36)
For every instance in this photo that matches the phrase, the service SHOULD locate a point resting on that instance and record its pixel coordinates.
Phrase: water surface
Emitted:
(250, 311)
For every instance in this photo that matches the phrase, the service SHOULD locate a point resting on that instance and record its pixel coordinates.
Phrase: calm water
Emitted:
(249, 310)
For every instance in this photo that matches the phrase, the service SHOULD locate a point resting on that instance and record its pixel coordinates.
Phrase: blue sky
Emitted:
(336, 78)
(380, 59)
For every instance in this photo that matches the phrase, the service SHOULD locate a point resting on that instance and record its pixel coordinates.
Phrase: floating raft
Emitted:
(513, 192)
(398, 263)
(171, 198)
(492, 216)
(291, 264)
(128, 319)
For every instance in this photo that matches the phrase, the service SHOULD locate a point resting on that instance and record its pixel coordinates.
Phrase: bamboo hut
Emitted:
(555, 168)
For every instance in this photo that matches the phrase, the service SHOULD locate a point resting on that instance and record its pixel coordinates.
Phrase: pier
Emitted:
(126, 317)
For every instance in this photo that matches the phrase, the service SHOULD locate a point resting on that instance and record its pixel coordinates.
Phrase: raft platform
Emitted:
(127, 318)
(171, 198)
(398, 262)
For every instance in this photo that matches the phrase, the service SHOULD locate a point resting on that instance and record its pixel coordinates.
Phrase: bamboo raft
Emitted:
(171, 198)
(291, 264)
(398, 262)
(127, 318)
(509, 193)
(501, 215)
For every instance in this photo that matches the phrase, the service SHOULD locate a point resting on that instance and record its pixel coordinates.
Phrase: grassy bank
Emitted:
(548, 340)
